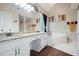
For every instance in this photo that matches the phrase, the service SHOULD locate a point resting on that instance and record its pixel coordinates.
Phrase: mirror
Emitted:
(14, 18)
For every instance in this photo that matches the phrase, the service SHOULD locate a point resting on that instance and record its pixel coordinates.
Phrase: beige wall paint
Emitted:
(59, 9)
(8, 7)
(64, 8)
(47, 6)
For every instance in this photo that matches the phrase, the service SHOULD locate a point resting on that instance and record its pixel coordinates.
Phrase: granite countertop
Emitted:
(17, 36)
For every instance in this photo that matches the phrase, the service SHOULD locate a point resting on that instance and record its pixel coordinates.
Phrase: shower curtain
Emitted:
(42, 26)
(45, 22)
(42, 23)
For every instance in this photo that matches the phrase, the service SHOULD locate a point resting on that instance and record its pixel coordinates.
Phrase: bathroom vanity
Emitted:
(21, 44)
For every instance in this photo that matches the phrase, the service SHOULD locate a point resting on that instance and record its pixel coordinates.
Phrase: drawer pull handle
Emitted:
(15, 52)
(18, 51)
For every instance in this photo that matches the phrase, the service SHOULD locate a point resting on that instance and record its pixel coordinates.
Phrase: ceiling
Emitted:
(47, 6)
(42, 7)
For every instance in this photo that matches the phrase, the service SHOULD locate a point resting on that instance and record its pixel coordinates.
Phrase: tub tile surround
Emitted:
(71, 36)
(72, 45)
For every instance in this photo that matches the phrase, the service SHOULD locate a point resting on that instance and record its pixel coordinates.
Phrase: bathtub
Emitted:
(58, 38)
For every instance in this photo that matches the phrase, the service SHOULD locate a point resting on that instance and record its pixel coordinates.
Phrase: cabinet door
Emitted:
(23, 47)
(36, 45)
(18, 47)
(7, 49)
(39, 43)
(43, 40)
(11, 52)
(24, 50)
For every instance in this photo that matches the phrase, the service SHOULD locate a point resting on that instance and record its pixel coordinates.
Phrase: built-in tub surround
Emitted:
(71, 37)
(70, 48)
(57, 38)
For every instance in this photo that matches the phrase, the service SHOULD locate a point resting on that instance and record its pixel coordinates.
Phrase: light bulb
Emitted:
(28, 10)
(23, 5)
(25, 8)
(16, 3)
(32, 8)
(28, 6)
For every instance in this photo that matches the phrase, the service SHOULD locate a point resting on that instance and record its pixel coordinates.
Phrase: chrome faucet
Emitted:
(9, 34)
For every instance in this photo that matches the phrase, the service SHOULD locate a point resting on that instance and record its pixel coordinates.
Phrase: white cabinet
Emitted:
(39, 43)
(36, 45)
(18, 47)
(23, 47)
(43, 40)
(7, 49)
(24, 50)
(11, 52)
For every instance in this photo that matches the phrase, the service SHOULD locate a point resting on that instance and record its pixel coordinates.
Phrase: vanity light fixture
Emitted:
(28, 6)
(17, 3)
(25, 6)
(32, 8)
(29, 9)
